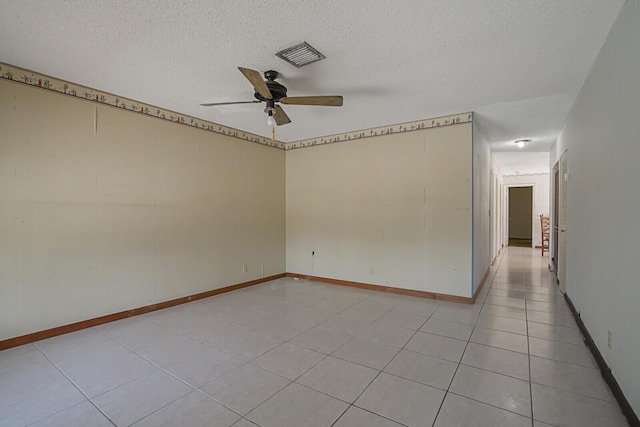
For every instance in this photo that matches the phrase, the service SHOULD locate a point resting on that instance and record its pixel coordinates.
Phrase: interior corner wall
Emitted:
(481, 206)
(603, 200)
(392, 210)
(540, 184)
(103, 210)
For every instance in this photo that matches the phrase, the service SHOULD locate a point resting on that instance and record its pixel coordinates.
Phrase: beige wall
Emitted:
(102, 210)
(391, 210)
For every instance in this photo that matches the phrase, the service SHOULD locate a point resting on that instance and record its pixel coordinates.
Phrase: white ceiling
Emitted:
(518, 64)
(523, 163)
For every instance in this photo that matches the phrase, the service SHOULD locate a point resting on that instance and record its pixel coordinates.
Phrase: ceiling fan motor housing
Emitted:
(270, 92)
(277, 90)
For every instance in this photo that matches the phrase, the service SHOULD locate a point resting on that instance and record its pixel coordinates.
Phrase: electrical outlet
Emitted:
(609, 337)
(245, 268)
(372, 272)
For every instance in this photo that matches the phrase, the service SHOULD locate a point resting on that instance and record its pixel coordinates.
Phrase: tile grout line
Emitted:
(170, 374)
(349, 404)
(465, 349)
(371, 412)
(382, 370)
(484, 302)
(72, 383)
(250, 362)
(526, 318)
(402, 348)
(327, 355)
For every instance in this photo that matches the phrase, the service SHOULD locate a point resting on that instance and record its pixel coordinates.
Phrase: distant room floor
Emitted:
(292, 353)
(520, 243)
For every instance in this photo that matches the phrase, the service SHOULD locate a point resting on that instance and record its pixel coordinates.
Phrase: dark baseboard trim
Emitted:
(627, 410)
(411, 292)
(40, 335)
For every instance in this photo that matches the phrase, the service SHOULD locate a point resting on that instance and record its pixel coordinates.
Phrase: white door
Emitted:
(562, 223)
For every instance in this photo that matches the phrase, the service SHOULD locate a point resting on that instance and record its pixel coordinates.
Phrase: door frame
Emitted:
(505, 209)
(496, 215)
(563, 181)
(492, 216)
(555, 216)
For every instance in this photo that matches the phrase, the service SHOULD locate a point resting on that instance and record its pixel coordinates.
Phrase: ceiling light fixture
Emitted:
(270, 120)
(522, 142)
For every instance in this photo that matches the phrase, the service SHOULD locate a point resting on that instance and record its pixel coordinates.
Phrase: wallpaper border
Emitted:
(42, 81)
(453, 119)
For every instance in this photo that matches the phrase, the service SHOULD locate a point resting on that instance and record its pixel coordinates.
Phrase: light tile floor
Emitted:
(296, 353)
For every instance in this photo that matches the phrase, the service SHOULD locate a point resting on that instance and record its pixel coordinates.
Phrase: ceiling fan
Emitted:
(272, 92)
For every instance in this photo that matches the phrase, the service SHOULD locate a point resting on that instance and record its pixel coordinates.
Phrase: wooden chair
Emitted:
(544, 229)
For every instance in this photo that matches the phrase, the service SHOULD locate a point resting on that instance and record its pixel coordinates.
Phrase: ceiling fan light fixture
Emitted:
(300, 55)
(272, 92)
(271, 122)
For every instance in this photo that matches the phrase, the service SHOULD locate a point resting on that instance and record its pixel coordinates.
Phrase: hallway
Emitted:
(566, 385)
(296, 353)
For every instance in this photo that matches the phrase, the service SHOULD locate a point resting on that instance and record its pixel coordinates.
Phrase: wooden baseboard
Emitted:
(627, 410)
(497, 256)
(411, 292)
(59, 330)
(484, 279)
(40, 335)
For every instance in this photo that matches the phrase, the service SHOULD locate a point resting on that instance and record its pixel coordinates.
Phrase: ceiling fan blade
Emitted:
(256, 80)
(280, 116)
(327, 101)
(212, 104)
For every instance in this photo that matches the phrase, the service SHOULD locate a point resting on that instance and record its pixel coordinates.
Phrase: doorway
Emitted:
(520, 216)
(496, 216)
(555, 218)
(563, 179)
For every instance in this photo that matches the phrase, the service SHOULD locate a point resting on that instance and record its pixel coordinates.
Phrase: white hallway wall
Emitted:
(497, 223)
(601, 137)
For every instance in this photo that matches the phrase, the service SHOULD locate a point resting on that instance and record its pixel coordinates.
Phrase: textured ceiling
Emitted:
(518, 64)
(522, 163)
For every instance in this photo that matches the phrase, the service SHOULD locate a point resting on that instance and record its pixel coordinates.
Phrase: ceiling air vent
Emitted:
(300, 55)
